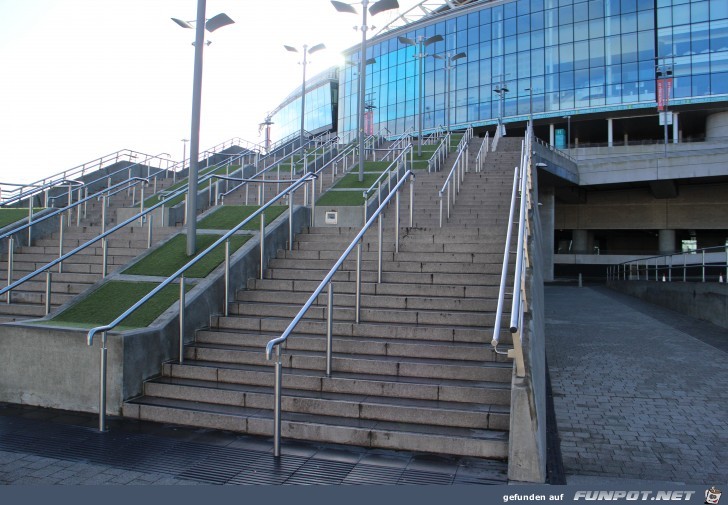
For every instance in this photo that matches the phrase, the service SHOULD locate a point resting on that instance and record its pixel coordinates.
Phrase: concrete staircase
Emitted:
(415, 374)
(81, 270)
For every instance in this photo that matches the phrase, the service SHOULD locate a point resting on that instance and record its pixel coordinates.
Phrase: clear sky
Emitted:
(84, 78)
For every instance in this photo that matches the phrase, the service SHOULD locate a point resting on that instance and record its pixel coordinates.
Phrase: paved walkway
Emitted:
(45, 446)
(639, 391)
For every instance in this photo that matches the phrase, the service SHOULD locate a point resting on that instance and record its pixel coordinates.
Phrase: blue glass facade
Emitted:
(555, 57)
(320, 111)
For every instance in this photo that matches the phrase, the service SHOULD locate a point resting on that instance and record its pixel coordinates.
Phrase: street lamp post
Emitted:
(184, 157)
(530, 107)
(201, 25)
(421, 43)
(501, 90)
(664, 85)
(306, 51)
(376, 8)
(449, 60)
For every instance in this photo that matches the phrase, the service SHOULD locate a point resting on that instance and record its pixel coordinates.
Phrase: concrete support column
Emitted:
(666, 240)
(547, 213)
(580, 242)
(675, 128)
(610, 132)
(552, 134)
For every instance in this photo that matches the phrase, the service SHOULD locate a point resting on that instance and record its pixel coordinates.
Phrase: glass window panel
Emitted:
(646, 70)
(473, 53)
(596, 28)
(552, 101)
(719, 83)
(718, 9)
(566, 33)
(614, 94)
(681, 14)
(524, 64)
(510, 45)
(496, 46)
(700, 43)
(509, 27)
(522, 7)
(581, 54)
(537, 39)
(612, 7)
(629, 6)
(664, 16)
(566, 57)
(699, 13)
(552, 36)
(645, 20)
(596, 53)
(566, 15)
(681, 86)
(596, 95)
(485, 16)
(537, 62)
(473, 36)
(537, 22)
(524, 24)
(681, 40)
(581, 79)
(524, 42)
(581, 12)
(647, 90)
(551, 18)
(630, 72)
(630, 92)
(719, 35)
(629, 47)
(612, 25)
(664, 41)
(596, 9)
(701, 64)
(581, 30)
(566, 99)
(613, 51)
(485, 50)
(629, 22)
(643, 5)
(646, 45)
(462, 38)
(509, 10)
(614, 74)
(719, 62)
(552, 59)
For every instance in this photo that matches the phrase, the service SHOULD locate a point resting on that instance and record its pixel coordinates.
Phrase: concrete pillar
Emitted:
(666, 240)
(626, 139)
(610, 132)
(675, 128)
(552, 134)
(580, 241)
(546, 197)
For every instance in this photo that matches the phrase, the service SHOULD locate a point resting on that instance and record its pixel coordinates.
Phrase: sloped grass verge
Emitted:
(10, 216)
(228, 216)
(111, 299)
(172, 256)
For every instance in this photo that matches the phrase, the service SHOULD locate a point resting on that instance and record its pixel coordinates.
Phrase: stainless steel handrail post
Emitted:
(150, 227)
(49, 281)
(313, 200)
(669, 271)
(685, 267)
(396, 222)
(412, 201)
(60, 241)
(103, 213)
(11, 260)
(277, 404)
(291, 197)
(102, 384)
(226, 300)
(703, 262)
(357, 308)
(379, 249)
(329, 327)
(181, 318)
(105, 258)
(440, 195)
(262, 243)
(141, 205)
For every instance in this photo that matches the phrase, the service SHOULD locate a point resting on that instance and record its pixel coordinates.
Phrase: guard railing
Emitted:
(276, 343)
(451, 186)
(703, 265)
(224, 239)
(482, 153)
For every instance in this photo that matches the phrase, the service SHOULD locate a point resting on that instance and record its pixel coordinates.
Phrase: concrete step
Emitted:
(374, 434)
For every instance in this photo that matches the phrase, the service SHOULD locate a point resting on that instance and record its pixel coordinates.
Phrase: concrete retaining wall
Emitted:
(703, 300)
(54, 367)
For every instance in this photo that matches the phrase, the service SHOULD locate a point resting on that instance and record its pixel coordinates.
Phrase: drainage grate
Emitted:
(321, 471)
(269, 470)
(222, 465)
(373, 475)
(420, 478)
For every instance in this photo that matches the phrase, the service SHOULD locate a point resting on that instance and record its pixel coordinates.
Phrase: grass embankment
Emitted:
(344, 191)
(170, 257)
(228, 216)
(153, 200)
(111, 299)
(10, 216)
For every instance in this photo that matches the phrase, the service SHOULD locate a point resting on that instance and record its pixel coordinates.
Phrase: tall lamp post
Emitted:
(530, 107)
(306, 51)
(501, 89)
(376, 8)
(664, 88)
(449, 65)
(201, 25)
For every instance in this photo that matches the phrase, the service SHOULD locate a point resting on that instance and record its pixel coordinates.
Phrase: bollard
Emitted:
(580, 284)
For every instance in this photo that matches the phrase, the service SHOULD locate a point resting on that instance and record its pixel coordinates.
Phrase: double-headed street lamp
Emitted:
(449, 65)
(421, 43)
(376, 8)
(306, 51)
(201, 24)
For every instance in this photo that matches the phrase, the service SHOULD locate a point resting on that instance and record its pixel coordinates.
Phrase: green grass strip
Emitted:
(170, 257)
(229, 216)
(351, 181)
(343, 198)
(10, 216)
(154, 199)
(111, 299)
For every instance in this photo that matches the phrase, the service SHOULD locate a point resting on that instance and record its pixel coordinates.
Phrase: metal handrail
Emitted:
(104, 329)
(630, 270)
(459, 167)
(482, 153)
(440, 154)
(393, 167)
(554, 149)
(327, 281)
